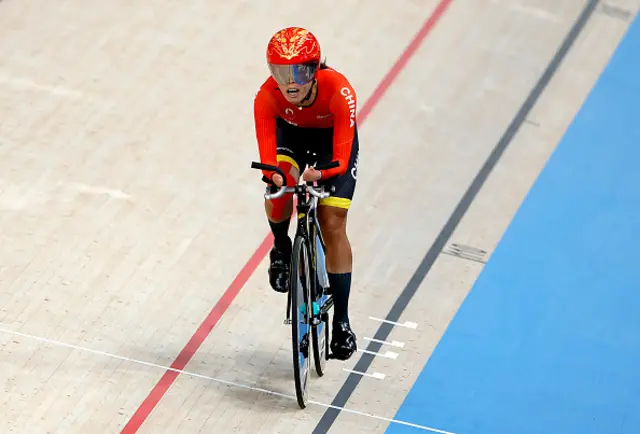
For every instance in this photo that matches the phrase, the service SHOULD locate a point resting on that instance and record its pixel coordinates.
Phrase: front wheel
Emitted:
(300, 319)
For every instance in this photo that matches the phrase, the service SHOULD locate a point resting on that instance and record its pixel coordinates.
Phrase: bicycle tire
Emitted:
(300, 319)
(320, 337)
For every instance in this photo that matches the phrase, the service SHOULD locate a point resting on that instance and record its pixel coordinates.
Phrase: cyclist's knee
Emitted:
(333, 220)
(279, 209)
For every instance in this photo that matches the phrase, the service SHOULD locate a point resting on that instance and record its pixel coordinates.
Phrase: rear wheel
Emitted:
(320, 343)
(320, 332)
(300, 319)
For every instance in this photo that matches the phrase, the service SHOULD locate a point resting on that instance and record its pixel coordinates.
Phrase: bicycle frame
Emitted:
(307, 196)
(310, 335)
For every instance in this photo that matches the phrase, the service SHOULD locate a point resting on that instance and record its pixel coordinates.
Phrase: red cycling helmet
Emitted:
(293, 56)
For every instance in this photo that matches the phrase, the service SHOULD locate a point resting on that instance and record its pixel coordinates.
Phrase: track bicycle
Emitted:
(308, 282)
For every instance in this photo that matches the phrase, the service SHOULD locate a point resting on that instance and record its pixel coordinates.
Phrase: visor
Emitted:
(299, 74)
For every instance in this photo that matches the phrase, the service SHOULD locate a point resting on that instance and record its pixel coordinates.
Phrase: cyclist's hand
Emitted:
(277, 180)
(310, 174)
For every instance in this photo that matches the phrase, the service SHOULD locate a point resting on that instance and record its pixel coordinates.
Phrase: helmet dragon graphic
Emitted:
(293, 45)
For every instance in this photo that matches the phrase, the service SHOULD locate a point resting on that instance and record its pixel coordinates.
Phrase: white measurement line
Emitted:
(407, 324)
(393, 343)
(388, 354)
(230, 383)
(376, 375)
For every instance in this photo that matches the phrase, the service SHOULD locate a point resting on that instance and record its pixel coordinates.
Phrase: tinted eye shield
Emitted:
(301, 73)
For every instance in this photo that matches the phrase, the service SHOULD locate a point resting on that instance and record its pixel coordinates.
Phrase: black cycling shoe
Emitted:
(279, 270)
(343, 342)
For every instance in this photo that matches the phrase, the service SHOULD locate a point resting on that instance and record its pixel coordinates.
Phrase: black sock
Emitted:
(281, 235)
(340, 285)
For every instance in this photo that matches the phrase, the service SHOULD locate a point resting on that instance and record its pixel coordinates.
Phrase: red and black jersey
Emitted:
(334, 106)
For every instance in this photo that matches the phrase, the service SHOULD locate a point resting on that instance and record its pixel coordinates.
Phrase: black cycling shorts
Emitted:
(314, 146)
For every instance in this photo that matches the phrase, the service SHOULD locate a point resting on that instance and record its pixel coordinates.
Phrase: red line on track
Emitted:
(161, 388)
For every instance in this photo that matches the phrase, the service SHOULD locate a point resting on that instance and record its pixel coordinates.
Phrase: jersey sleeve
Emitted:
(343, 107)
(264, 114)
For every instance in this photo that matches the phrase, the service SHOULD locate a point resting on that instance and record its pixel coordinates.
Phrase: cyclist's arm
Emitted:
(264, 115)
(343, 107)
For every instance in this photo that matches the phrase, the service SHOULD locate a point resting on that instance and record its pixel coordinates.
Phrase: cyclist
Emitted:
(305, 114)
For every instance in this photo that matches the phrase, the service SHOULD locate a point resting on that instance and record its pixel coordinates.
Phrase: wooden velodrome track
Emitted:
(133, 231)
